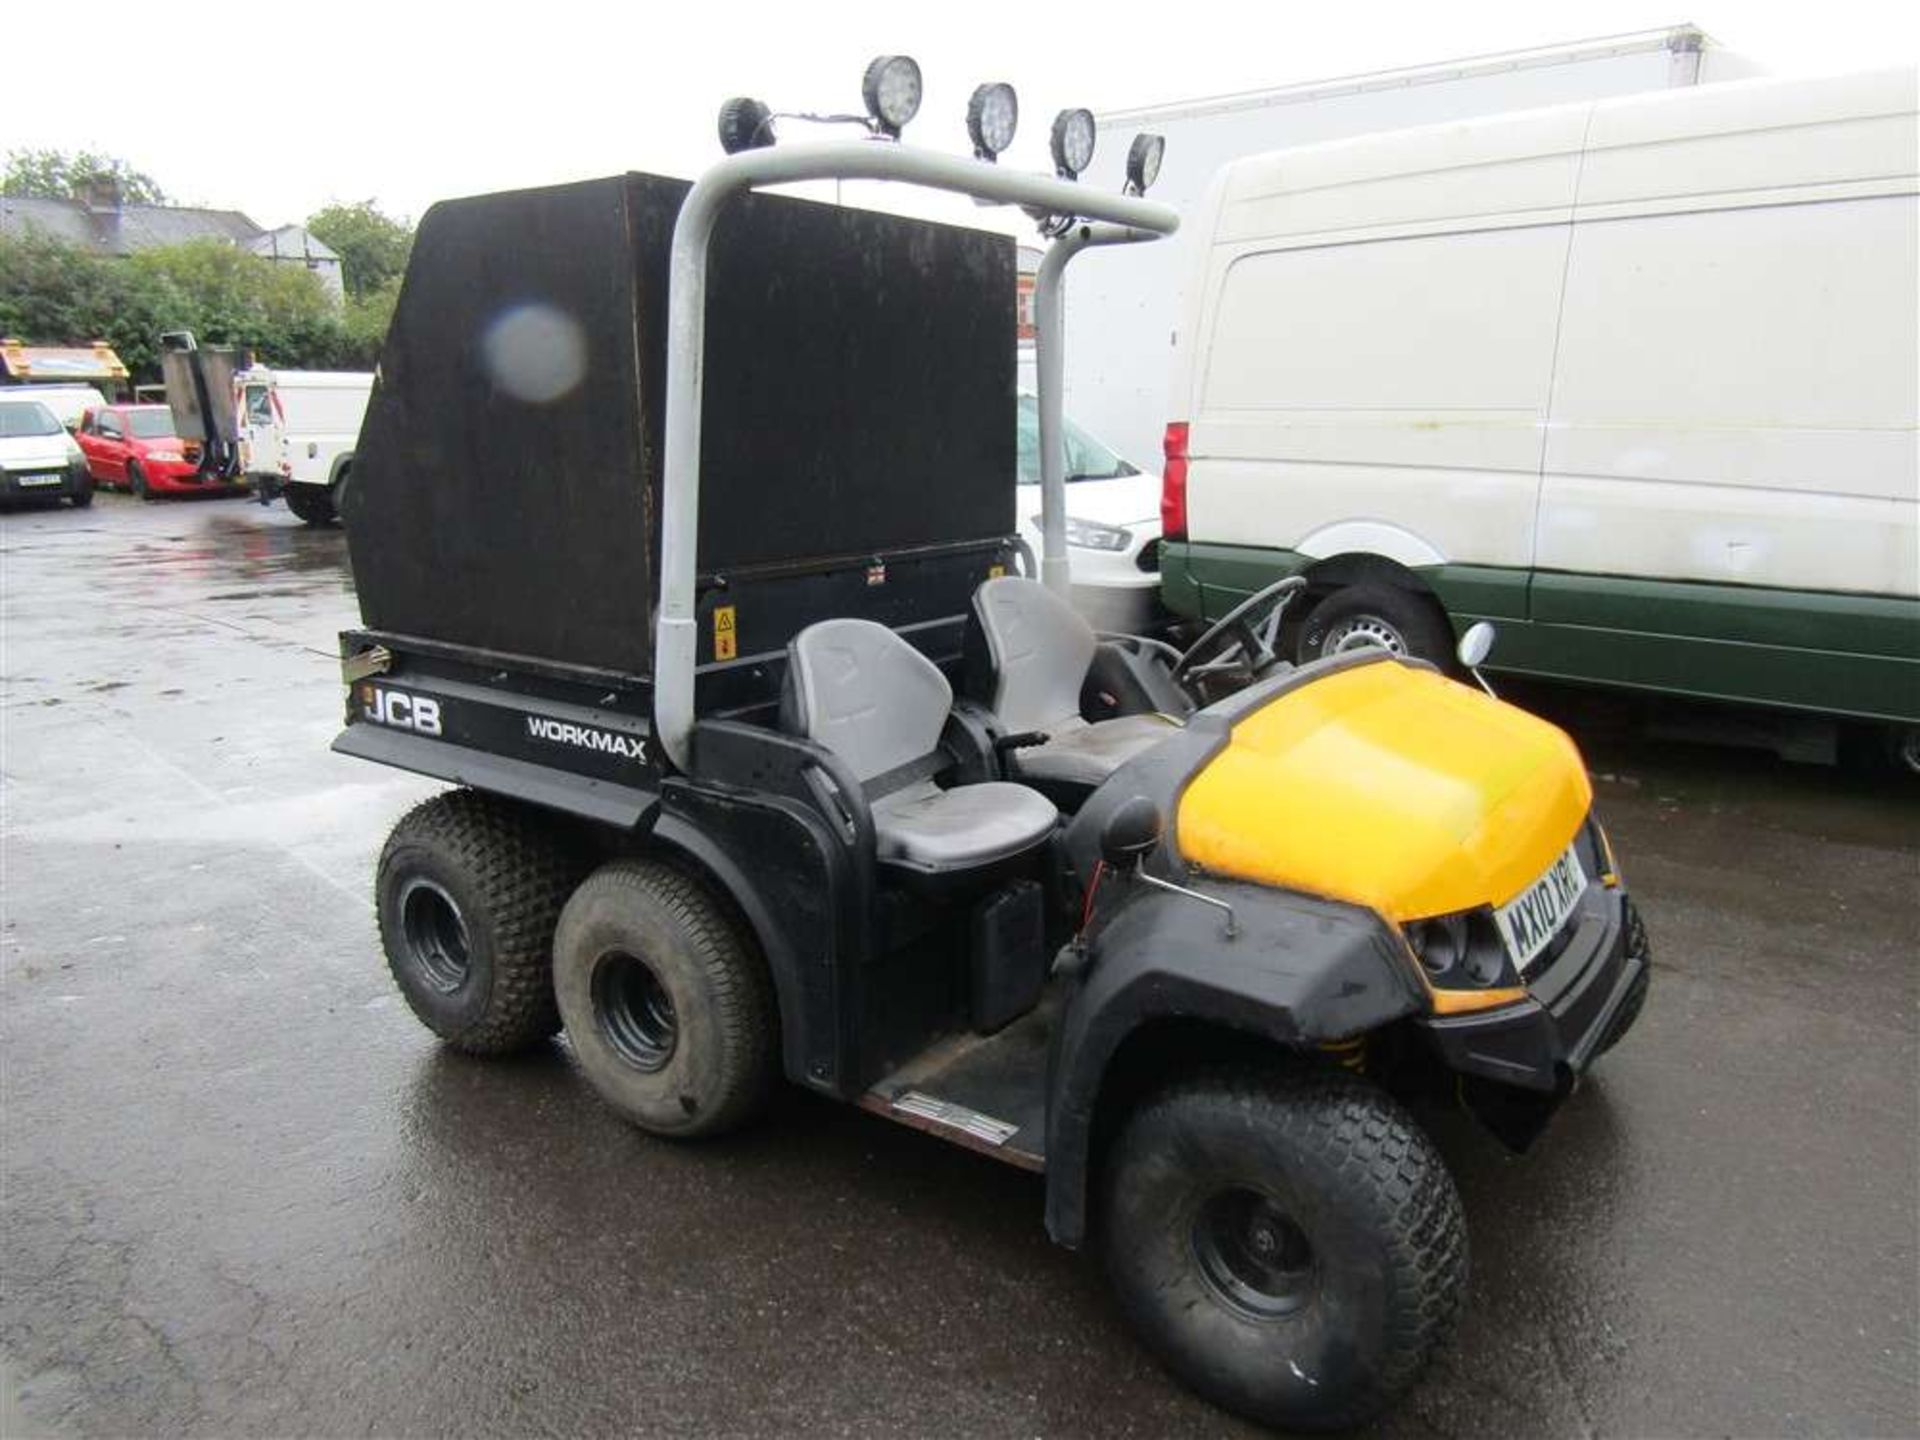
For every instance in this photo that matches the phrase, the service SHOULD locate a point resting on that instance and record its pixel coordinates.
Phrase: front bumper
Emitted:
(23, 482)
(1573, 1008)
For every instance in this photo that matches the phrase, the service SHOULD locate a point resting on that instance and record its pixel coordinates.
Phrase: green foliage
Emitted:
(373, 247)
(54, 294)
(56, 175)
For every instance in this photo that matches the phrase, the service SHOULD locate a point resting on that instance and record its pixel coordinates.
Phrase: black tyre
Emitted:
(137, 481)
(468, 892)
(1404, 622)
(337, 493)
(310, 504)
(83, 497)
(666, 999)
(1291, 1246)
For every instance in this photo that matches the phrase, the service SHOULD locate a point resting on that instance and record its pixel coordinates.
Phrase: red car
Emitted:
(133, 447)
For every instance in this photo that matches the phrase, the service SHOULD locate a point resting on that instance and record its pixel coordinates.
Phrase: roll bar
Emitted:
(676, 635)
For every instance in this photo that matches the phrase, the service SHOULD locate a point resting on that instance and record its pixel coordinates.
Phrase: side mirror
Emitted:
(1131, 831)
(1475, 645)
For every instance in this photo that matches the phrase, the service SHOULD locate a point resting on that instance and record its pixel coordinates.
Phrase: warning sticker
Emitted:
(726, 644)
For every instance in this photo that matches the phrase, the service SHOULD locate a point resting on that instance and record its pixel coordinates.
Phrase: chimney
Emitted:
(102, 195)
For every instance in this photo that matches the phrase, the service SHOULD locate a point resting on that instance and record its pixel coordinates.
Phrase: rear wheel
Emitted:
(1402, 622)
(667, 1001)
(337, 493)
(1291, 1246)
(310, 503)
(468, 892)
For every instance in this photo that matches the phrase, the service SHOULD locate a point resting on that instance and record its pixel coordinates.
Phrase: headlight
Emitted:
(891, 89)
(1072, 142)
(1462, 952)
(1092, 535)
(1143, 162)
(166, 457)
(992, 116)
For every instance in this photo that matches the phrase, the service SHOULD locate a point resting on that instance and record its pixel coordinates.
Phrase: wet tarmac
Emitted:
(243, 1192)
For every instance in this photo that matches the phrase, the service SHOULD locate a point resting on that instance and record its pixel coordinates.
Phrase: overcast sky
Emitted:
(276, 108)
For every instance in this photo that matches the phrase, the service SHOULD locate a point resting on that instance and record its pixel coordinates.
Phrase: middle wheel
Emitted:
(666, 1000)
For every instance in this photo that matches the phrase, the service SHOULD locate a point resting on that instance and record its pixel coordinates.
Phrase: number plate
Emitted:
(30, 481)
(1535, 915)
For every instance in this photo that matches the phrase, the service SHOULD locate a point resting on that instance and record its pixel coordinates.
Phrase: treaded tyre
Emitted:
(309, 503)
(1289, 1244)
(666, 999)
(468, 892)
(1401, 621)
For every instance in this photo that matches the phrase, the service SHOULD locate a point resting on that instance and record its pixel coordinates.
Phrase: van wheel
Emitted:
(83, 497)
(337, 493)
(468, 892)
(1403, 622)
(1291, 1246)
(310, 503)
(667, 1002)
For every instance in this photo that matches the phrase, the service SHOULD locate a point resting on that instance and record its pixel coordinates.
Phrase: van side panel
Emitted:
(1377, 345)
(1729, 499)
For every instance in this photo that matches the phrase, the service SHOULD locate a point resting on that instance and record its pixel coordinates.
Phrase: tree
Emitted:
(372, 246)
(56, 175)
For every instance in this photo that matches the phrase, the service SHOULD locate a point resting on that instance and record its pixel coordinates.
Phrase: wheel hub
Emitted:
(436, 936)
(1253, 1255)
(635, 1012)
(1360, 631)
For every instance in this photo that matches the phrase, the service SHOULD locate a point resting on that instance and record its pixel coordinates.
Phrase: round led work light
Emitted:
(1143, 162)
(992, 116)
(1072, 142)
(891, 89)
(745, 124)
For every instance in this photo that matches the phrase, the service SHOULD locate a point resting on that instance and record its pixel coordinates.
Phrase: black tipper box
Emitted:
(859, 394)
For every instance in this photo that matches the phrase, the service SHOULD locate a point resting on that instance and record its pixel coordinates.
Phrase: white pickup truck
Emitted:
(298, 429)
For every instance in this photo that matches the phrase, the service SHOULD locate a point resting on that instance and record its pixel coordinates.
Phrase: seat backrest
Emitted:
(867, 695)
(1040, 648)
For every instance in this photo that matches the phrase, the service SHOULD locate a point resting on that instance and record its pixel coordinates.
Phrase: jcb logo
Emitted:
(406, 712)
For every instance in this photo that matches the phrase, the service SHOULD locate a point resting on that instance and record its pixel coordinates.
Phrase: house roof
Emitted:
(130, 228)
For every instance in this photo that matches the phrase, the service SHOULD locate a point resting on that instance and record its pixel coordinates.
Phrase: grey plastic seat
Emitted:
(880, 705)
(1040, 648)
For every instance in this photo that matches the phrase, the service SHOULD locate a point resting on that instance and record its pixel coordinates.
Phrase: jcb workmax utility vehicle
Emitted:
(684, 534)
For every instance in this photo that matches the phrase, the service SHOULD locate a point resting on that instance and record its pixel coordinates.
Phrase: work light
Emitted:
(745, 124)
(891, 89)
(992, 116)
(1143, 162)
(1072, 142)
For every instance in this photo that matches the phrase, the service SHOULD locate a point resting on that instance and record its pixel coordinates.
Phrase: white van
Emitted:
(297, 433)
(67, 402)
(1636, 380)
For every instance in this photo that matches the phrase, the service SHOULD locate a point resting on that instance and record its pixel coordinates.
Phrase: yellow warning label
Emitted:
(994, 572)
(725, 642)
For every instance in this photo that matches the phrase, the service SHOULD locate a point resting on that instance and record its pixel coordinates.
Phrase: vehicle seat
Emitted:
(880, 705)
(1040, 648)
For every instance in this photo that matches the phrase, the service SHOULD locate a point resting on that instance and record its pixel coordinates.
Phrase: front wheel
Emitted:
(137, 481)
(1290, 1245)
(1385, 617)
(83, 497)
(309, 503)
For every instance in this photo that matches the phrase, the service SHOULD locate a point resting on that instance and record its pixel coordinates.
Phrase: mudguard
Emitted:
(1298, 971)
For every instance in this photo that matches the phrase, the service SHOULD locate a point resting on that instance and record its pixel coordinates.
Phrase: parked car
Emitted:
(38, 459)
(1637, 383)
(297, 433)
(67, 402)
(135, 448)
(1113, 526)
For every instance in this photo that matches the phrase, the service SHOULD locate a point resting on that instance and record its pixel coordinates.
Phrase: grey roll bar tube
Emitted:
(1050, 360)
(676, 635)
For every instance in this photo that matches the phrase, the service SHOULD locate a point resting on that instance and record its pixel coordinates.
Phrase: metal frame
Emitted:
(676, 635)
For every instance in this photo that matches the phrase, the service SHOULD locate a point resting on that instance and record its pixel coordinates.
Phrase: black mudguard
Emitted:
(1297, 972)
